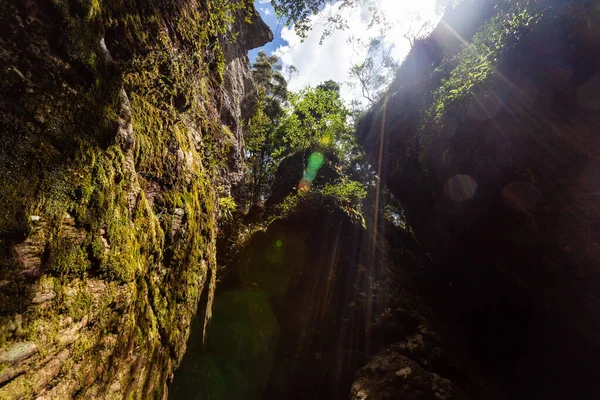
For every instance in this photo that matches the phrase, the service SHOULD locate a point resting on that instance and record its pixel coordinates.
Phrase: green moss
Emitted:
(227, 207)
(472, 70)
(4, 334)
(97, 250)
(80, 305)
(67, 258)
(60, 148)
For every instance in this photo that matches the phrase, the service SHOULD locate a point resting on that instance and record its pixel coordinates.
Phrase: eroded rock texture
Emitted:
(116, 120)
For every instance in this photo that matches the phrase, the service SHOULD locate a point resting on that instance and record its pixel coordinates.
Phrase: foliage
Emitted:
(473, 68)
(227, 207)
(260, 129)
(419, 30)
(298, 13)
(349, 195)
(316, 119)
(347, 192)
(221, 15)
(258, 151)
(343, 194)
(312, 121)
(287, 123)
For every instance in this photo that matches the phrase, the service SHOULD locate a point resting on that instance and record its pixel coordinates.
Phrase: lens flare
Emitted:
(315, 162)
(460, 187)
(310, 174)
(326, 140)
(304, 185)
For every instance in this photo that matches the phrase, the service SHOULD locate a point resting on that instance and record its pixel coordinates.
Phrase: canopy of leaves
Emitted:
(298, 13)
(374, 74)
(316, 119)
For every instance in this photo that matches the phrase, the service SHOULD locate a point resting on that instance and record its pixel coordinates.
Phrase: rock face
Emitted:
(310, 300)
(492, 149)
(119, 120)
(390, 375)
(239, 92)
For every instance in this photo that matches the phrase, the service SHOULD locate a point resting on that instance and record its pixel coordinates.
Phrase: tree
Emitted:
(292, 72)
(330, 85)
(267, 73)
(420, 28)
(298, 13)
(375, 72)
(283, 124)
(259, 146)
(261, 128)
(315, 119)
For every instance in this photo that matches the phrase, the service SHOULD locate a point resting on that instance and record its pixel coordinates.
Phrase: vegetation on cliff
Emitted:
(110, 152)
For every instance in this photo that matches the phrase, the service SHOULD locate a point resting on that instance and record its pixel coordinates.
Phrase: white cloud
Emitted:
(334, 58)
(267, 11)
(264, 1)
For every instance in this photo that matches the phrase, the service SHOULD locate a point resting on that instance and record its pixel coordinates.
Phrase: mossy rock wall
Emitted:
(111, 150)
